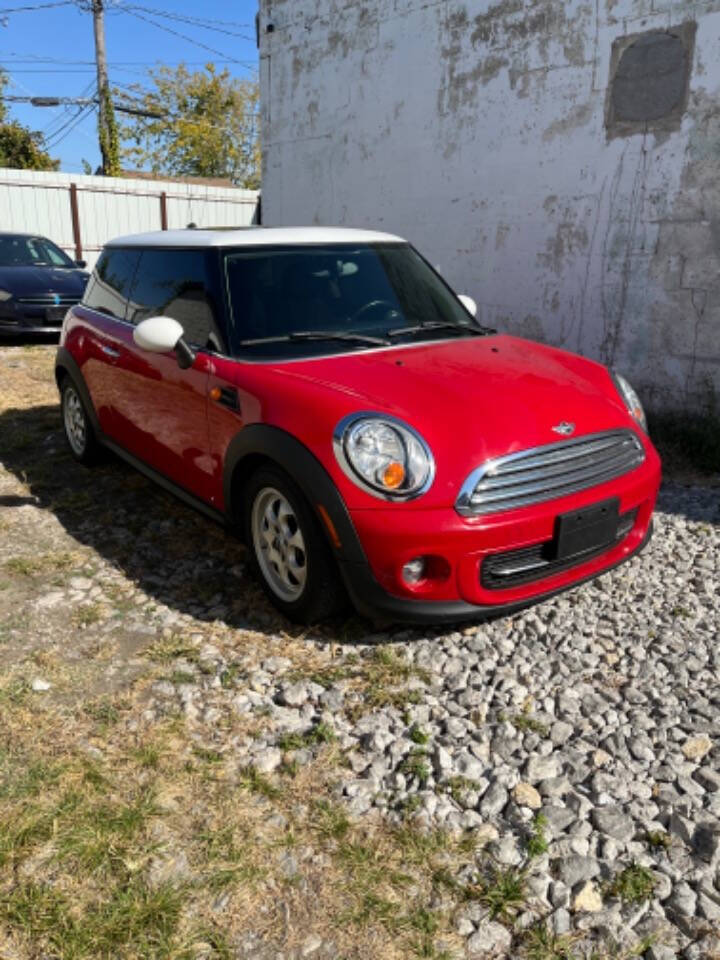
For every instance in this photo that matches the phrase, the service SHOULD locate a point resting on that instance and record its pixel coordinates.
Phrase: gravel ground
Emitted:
(598, 710)
(578, 742)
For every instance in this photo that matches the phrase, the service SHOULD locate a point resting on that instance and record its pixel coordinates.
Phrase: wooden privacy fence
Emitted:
(81, 213)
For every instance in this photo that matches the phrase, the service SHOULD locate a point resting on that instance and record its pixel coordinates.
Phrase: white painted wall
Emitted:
(36, 202)
(476, 130)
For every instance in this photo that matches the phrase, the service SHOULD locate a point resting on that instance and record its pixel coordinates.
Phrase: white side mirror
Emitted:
(468, 303)
(157, 334)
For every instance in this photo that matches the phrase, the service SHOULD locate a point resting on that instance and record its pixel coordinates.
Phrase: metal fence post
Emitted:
(77, 236)
(163, 211)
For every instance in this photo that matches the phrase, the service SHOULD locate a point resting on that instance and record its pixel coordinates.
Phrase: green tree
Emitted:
(20, 148)
(208, 125)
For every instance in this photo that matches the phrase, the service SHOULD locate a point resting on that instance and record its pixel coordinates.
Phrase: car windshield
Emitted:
(20, 251)
(293, 302)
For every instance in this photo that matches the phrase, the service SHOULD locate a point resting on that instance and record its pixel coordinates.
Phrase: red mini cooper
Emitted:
(326, 394)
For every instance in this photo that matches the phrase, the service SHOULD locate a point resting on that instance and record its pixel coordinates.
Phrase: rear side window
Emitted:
(109, 286)
(174, 283)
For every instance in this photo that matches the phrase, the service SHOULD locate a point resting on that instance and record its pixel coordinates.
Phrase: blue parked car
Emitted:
(38, 284)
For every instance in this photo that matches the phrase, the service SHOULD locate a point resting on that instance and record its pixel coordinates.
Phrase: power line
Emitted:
(81, 101)
(58, 120)
(198, 22)
(183, 16)
(176, 33)
(34, 58)
(37, 6)
(67, 128)
(60, 113)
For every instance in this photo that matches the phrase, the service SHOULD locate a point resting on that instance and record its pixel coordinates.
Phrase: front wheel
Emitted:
(289, 551)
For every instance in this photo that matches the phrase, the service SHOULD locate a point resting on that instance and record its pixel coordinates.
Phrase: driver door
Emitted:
(161, 410)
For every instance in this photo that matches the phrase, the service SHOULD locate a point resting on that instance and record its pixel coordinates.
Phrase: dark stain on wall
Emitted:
(650, 81)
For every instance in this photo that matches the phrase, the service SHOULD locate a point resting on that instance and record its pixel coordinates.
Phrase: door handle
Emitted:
(110, 351)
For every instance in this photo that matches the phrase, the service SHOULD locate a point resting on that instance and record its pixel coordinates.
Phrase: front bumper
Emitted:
(390, 538)
(373, 602)
(20, 319)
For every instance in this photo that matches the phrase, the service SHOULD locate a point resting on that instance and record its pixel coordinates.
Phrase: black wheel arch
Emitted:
(260, 443)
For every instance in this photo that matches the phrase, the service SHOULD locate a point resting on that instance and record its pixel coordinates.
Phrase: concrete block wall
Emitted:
(477, 130)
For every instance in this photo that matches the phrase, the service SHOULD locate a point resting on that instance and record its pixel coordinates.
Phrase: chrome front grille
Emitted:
(550, 472)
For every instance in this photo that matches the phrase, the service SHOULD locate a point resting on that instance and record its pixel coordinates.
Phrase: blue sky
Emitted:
(50, 51)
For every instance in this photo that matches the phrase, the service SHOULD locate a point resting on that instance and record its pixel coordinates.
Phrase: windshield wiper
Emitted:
(300, 335)
(441, 325)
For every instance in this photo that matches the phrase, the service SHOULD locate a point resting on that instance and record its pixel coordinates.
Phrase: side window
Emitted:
(108, 289)
(173, 283)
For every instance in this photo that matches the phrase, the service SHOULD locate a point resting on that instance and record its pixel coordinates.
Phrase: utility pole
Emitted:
(106, 116)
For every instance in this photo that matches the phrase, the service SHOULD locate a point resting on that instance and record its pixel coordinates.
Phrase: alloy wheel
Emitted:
(74, 420)
(279, 544)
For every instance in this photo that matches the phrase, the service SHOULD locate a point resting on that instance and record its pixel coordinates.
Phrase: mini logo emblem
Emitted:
(564, 428)
(56, 299)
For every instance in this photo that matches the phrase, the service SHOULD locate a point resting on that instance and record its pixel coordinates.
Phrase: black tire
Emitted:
(321, 594)
(77, 426)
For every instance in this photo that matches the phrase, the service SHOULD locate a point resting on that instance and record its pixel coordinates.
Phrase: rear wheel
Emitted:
(289, 551)
(76, 424)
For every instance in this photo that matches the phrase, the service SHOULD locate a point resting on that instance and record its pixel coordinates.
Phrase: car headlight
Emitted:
(5, 295)
(630, 398)
(384, 455)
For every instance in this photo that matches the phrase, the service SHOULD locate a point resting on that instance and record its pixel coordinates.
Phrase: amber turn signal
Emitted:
(215, 393)
(393, 475)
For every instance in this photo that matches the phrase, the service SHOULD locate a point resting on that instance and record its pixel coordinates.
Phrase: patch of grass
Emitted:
(166, 649)
(30, 566)
(87, 614)
(317, 734)
(409, 805)
(537, 842)
(326, 676)
(658, 840)
(374, 909)
(102, 836)
(21, 778)
(148, 756)
(680, 611)
(502, 891)
(688, 441)
(525, 722)
(102, 711)
(181, 677)
(254, 781)
(540, 943)
(15, 691)
(420, 846)
(225, 877)
(634, 884)
(208, 755)
(134, 921)
(330, 820)
(384, 675)
(415, 766)
(458, 787)
(230, 675)
(418, 735)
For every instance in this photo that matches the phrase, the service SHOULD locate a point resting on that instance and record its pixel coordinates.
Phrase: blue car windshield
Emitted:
(21, 251)
(285, 300)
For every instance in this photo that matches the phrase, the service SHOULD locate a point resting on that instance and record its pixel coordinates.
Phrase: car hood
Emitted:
(487, 396)
(37, 281)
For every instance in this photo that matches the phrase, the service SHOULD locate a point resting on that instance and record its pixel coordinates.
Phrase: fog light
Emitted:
(414, 570)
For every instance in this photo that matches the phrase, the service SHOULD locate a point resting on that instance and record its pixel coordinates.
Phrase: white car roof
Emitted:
(252, 237)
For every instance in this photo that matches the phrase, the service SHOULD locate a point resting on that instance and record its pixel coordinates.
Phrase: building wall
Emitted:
(478, 131)
(107, 207)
